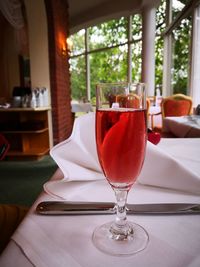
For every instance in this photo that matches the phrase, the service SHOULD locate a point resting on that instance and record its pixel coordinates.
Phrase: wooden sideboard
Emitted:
(27, 130)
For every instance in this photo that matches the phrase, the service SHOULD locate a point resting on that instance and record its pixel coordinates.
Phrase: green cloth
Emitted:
(21, 182)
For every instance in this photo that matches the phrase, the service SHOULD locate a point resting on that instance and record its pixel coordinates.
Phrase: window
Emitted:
(111, 51)
(179, 38)
(78, 77)
(101, 53)
(181, 41)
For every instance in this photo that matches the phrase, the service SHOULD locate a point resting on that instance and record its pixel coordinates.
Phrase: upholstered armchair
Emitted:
(174, 106)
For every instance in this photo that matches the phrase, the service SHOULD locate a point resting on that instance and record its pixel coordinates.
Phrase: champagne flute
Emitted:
(121, 135)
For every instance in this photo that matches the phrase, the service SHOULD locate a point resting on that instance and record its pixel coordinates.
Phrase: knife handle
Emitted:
(62, 207)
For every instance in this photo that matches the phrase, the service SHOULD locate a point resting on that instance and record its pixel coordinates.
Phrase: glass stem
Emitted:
(121, 197)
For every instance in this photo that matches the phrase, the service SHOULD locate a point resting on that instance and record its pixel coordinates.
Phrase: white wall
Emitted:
(38, 49)
(38, 43)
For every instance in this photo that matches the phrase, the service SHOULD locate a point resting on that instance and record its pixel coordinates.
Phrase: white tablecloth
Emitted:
(66, 240)
(186, 126)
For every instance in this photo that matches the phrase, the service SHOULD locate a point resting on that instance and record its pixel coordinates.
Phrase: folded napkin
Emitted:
(77, 158)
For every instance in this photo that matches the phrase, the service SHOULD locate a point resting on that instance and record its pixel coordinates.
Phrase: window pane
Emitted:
(159, 43)
(136, 47)
(177, 6)
(107, 34)
(137, 27)
(136, 61)
(181, 51)
(77, 42)
(78, 78)
(108, 66)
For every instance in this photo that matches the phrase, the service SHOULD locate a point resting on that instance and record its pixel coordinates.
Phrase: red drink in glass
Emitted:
(121, 141)
(121, 135)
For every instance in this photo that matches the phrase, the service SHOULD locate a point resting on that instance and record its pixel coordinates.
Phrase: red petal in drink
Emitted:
(121, 141)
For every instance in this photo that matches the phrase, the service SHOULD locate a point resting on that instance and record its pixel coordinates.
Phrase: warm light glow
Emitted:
(62, 43)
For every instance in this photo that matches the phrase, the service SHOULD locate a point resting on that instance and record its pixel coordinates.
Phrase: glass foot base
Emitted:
(135, 241)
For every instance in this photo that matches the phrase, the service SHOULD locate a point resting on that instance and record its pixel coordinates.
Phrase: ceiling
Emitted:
(85, 13)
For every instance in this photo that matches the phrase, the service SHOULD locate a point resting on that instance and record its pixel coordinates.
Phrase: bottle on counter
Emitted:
(33, 103)
(45, 97)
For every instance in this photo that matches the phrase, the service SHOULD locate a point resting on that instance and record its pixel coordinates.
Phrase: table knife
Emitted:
(78, 208)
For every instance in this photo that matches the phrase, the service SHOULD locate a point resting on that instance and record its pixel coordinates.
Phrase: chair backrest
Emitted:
(130, 101)
(176, 105)
(148, 105)
(4, 146)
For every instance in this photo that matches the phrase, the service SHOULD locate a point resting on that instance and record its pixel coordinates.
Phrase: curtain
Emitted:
(12, 11)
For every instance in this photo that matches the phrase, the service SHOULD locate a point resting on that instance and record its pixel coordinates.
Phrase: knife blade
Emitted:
(84, 208)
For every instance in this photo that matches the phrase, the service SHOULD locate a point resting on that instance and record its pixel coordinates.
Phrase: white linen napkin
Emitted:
(77, 158)
(39, 247)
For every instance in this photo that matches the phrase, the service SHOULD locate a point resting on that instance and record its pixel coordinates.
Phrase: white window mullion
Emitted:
(167, 60)
(129, 49)
(148, 48)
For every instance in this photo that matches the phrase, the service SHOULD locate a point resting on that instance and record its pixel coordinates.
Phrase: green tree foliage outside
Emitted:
(181, 46)
(108, 53)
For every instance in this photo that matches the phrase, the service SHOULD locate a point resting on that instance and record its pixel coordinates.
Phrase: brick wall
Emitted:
(57, 20)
